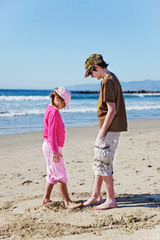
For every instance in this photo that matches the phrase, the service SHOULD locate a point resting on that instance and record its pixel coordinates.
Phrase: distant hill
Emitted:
(146, 85)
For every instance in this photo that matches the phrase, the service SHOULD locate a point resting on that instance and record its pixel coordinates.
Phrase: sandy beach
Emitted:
(136, 181)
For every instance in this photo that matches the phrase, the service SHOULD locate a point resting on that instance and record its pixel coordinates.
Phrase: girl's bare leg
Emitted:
(64, 192)
(96, 196)
(110, 201)
(47, 193)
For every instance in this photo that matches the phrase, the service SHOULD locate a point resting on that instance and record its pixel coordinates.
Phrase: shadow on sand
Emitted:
(135, 200)
(138, 200)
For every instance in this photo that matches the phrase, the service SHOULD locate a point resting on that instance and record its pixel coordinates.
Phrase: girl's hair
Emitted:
(53, 95)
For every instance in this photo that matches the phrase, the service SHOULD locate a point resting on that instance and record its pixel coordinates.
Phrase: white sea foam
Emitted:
(42, 98)
(12, 113)
(71, 110)
(23, 98)
(142, 107)
(80, 110)
(141, 94)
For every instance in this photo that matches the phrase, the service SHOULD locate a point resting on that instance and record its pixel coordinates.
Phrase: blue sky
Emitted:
(44, 43)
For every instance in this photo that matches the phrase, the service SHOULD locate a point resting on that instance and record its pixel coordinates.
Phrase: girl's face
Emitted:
(62, 104)
(59, 103)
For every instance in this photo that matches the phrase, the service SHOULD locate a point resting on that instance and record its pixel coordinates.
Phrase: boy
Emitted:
(112, 120)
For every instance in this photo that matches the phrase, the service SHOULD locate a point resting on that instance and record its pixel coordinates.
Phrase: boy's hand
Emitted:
(56, 157)
(101, 133)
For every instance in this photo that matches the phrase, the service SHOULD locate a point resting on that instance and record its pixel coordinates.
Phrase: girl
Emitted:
(54, 137)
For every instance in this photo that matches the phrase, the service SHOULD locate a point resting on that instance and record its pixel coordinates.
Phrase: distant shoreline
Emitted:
(131, 92)
(77, 91)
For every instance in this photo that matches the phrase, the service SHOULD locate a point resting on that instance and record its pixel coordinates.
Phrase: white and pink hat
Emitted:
(65, 94)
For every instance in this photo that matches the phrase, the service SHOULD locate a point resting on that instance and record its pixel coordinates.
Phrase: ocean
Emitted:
(23, 110)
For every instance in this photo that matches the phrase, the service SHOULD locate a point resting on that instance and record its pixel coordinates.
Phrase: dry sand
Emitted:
(136, 181)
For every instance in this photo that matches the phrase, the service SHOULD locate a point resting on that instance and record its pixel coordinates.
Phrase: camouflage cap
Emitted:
(91, 62)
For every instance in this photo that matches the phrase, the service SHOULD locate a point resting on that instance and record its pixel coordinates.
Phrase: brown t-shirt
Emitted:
(111, 91)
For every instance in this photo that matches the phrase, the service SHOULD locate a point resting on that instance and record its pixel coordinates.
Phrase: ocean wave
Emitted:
(23, 98)
(79, 110)
(72, 110)
(140, 95)
(140, 108)
(81, 97)
(13, 113)
(147, 106)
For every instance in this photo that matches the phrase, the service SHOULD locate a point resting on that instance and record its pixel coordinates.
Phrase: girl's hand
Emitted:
(56, 157)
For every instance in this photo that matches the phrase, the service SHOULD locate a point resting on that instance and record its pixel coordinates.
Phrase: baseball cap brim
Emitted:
(87, 73)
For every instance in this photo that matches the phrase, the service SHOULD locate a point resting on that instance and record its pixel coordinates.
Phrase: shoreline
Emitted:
(136, 184)
(70, 127)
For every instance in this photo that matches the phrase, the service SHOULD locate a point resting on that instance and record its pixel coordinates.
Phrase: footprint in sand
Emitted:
(27, 182)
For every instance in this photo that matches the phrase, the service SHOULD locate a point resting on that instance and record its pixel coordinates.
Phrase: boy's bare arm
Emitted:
(109, 117)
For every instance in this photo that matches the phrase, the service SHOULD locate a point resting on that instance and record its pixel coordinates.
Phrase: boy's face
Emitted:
(96, 73)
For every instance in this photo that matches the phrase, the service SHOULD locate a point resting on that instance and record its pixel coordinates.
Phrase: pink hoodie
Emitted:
(54, 129)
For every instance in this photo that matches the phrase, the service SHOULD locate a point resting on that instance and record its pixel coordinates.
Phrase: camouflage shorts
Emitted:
(107, 145)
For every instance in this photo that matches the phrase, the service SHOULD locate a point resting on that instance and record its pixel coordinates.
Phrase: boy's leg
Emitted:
(47, 193)
(110, 201)
(112, 139)
(96, 196)
(64, 192)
